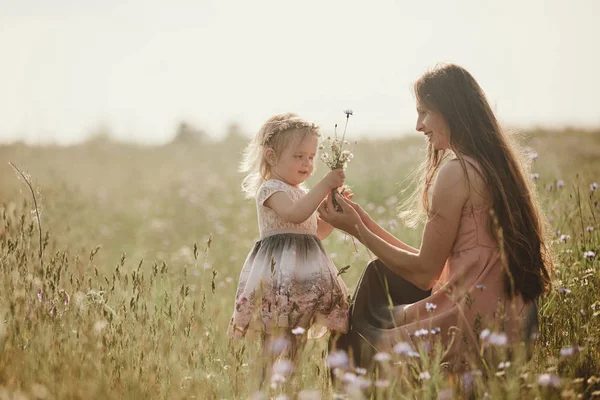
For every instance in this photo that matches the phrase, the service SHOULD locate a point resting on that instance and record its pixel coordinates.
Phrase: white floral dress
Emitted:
(287, 280)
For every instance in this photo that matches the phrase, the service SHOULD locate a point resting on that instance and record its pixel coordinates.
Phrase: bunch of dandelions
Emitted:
(334, 155)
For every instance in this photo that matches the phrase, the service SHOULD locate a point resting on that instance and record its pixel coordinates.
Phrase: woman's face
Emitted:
(434, 126)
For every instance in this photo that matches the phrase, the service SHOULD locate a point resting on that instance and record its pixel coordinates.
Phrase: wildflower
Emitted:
(283, 367)
(392, 223)
(338, 359)
(430, 306)
(564, 238)
(435, 330)
(298, 330)
(504, 365)
(569, 351)
(589, 254)
(560, 184)
(480, 287)
(348, 377)
(403, 348)
(348, 112)
(484, 334)
(564, 290)
(593, 186)
(589, 228)
(535, 176)
(278, 345)
(277, 379)
(382, 383)
(468, 378)
(498, 339)
(40, 295)
(382, 356)
(425, 375)
(533, 155)
(422, 332)
(361, 371)
(549, 380)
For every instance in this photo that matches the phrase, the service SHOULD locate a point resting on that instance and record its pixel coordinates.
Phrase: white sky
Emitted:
(141, 66)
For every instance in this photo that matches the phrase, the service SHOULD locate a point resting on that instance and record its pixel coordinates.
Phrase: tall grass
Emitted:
(141, 252)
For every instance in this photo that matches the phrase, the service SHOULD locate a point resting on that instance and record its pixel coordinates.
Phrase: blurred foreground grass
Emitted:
(143, 247)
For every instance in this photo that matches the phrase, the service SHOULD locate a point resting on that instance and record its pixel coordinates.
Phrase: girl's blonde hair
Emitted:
(277, 133)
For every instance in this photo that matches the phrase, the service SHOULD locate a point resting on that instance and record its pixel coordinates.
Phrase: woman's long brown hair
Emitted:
(475, 132)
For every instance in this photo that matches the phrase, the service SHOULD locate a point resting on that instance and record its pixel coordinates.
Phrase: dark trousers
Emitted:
(379, 289)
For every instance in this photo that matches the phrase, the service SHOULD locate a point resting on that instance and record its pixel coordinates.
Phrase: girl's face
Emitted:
(434, 126)
(296, 162)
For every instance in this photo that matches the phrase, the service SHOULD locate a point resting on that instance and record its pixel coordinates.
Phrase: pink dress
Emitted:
(469, 298)
(287, 280)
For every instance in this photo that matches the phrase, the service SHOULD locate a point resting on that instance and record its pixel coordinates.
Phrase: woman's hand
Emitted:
(348, 220)
(348, 196)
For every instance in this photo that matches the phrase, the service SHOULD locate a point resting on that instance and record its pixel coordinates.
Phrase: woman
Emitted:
(483, 260)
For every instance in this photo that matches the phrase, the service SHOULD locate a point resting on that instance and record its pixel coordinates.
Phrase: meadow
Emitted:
(141, 248)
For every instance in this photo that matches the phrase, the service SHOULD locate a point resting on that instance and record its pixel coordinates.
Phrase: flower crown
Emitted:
(290, 124)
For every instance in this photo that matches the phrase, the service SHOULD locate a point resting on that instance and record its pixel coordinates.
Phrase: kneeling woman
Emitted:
(483, 260)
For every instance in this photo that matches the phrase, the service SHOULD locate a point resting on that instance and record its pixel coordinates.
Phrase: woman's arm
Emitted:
(423, 268)
(324, 229)
(381, 232)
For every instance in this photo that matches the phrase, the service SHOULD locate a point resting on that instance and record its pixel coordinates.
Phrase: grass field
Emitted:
(142, 247)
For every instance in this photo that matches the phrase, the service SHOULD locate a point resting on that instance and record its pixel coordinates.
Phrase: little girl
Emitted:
(287, 281)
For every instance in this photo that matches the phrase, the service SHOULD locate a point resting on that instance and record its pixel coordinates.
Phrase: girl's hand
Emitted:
(335, 178)
(348, 220)
(347, 192)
